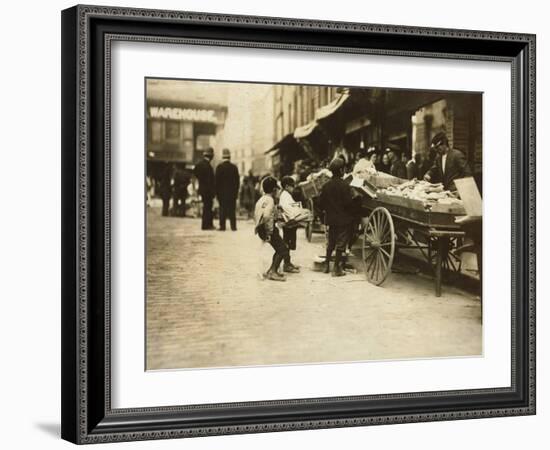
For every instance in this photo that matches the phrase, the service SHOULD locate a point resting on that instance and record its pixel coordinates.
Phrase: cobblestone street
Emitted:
(208, 307)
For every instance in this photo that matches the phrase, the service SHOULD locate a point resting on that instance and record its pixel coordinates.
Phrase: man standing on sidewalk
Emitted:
(207, 188)
(227, 190)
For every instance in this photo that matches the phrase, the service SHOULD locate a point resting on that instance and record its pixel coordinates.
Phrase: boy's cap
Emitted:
(268, 184)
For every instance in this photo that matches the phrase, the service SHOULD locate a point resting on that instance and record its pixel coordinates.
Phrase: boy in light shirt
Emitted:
(264, 219)
(290, 209)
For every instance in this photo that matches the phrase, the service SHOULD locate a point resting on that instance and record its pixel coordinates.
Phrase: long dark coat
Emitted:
(205, 174)
(337, 202)
(227, 181)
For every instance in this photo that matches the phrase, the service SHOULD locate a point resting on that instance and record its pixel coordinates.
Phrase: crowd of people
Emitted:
(337, 200)
(270, 202)
(205, 184)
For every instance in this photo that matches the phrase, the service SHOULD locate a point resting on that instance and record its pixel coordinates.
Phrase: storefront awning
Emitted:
(306, 130)
(288, 147)
(328, 110)
(284, 142)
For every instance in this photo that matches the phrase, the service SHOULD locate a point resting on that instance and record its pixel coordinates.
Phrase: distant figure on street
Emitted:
(181, 181)
(165, 188)
(414, 167)
(385, 164)
(337, 202)
(449, 165)
(227, 190)
(365, 164)
(207, 187)
(149, 190)
(397, 168)
(264, 220)
(247, 196)
(372, 155)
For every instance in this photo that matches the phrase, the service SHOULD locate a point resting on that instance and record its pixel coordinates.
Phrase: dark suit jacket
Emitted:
(456, 167)
(398, 169)
(205, 174)
(227, 181)
(336, 200)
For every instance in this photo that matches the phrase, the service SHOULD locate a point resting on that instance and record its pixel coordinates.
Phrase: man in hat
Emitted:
(397, 166)
(449, 164)
(207, 187)
(227, 189)
(336, 201)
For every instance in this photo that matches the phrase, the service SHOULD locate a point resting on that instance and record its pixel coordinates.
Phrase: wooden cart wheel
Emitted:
(378, 246)
(309, 225)
(451, 262)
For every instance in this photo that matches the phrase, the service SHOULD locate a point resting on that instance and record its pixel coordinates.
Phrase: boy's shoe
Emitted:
(275, 276)
(291, 268)
(337, 271)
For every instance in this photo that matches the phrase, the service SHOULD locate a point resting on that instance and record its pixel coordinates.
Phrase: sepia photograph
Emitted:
(302, 224)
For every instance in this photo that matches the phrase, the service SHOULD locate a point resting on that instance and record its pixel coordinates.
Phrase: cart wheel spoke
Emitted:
(372, 259)
(384, 252)
(384, 262)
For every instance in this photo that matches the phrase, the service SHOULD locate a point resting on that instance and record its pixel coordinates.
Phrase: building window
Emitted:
(155, 131)
(172, 130)
(187, 130)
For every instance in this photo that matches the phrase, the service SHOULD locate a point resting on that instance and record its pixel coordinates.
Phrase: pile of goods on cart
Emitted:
(428, 195)
(314, 183)
(414, 194)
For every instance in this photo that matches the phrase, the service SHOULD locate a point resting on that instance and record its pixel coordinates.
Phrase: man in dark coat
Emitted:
(207, 187)
(227, 189)
(397, 168)
(449, 164)
(337, 202)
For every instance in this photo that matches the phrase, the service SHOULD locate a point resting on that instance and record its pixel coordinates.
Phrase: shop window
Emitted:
(172, 130)
(155, 131)
(187, 130)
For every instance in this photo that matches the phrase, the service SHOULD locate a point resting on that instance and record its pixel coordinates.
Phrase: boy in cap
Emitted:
(336, 201)
(289, 208)
(264, 219)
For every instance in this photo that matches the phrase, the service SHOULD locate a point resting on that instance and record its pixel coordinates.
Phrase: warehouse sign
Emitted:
(189, 114)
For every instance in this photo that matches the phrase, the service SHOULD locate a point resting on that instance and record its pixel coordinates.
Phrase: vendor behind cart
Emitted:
(449, 164)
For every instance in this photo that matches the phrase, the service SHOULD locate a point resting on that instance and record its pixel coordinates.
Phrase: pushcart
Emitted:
(395, 223)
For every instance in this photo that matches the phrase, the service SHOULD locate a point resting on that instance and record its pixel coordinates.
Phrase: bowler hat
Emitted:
(209, 152)
(226, 154)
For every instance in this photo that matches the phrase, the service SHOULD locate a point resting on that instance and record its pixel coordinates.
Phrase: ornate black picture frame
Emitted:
(87, 34)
